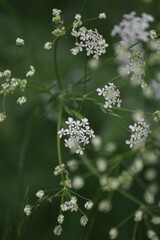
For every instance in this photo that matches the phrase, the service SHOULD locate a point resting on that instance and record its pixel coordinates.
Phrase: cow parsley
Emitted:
(91, 41)
(111, 95)
(133, 28)
(79, 133)
(140, 132)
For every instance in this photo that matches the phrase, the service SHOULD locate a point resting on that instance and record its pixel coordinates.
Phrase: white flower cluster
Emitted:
(113, 233)
(79, 133)
(140, 132)
(91, 41)
(19, 42)
(83, 220)
(138, 216)
(136, 68)
(59, 169)
(70, 205)
(21, 100)
(28, 210)
(111, 95)
(2, 116)
(31, 72)
(40, 194)
(57, 20)
(133, 28)
(102, 16)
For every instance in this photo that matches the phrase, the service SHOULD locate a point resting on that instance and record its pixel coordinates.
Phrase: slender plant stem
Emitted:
(85, 77)
(59, 154)
(130, 197)
(58, 139)
(55, 64)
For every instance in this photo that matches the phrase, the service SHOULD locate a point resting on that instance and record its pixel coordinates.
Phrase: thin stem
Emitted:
(85, 77)
(130, 197)
(125, 220)
(55, 64)
(135, 231)
(58, 139)
(129, 110)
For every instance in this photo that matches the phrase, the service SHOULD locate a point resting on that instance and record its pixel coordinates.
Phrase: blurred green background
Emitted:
(28, 136)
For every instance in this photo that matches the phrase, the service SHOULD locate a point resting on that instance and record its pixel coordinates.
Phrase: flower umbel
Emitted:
(79, 133)
(91, 41)
(140, 132)
(111, 95)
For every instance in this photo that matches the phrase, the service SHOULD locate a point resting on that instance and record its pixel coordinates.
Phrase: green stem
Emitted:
(58, 139)
(125, 220)
(130, 197)
(55, 64)
(86, 161)
(85, 77)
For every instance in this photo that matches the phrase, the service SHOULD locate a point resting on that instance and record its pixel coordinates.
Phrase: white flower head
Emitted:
(60, 218)
(27, 210)
(113, 233)
(40, 194)
(19, 42)
(48, 45)
(138, 216)
(57, 230)
(89, 40)
(88, 205)
(133, 28)
(79, 133)
(111, 95)
(2, 116)
(102, 16)
(21, 100)
(77, 182)
(31, 72)
(140, 132)
(83, 220)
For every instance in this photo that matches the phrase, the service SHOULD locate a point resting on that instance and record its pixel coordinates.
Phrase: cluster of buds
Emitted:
(10, 85)
(72, 206)
(57, 20)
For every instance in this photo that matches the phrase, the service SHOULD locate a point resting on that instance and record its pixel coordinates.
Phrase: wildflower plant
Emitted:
(82, 152)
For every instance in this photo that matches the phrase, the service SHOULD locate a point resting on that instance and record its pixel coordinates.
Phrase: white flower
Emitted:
(102, 16)
(31, 72)
(56, 12)
(57, 230)
(89, 40)
(70, 205)
(136, 68)
(79, 134)
(19, 42)
(88, 205)
(59, 169)
(60, 218)
(74, 51)
(2, 116)
(77, 182)
(104, 206)
(101, 164)
(21, 100)
(111, 95)
(40, 194)
(113, 233)
(138, 216)
(83, 220)
(48, 45)
(27, 210)
(140, 132)
(133, 28)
